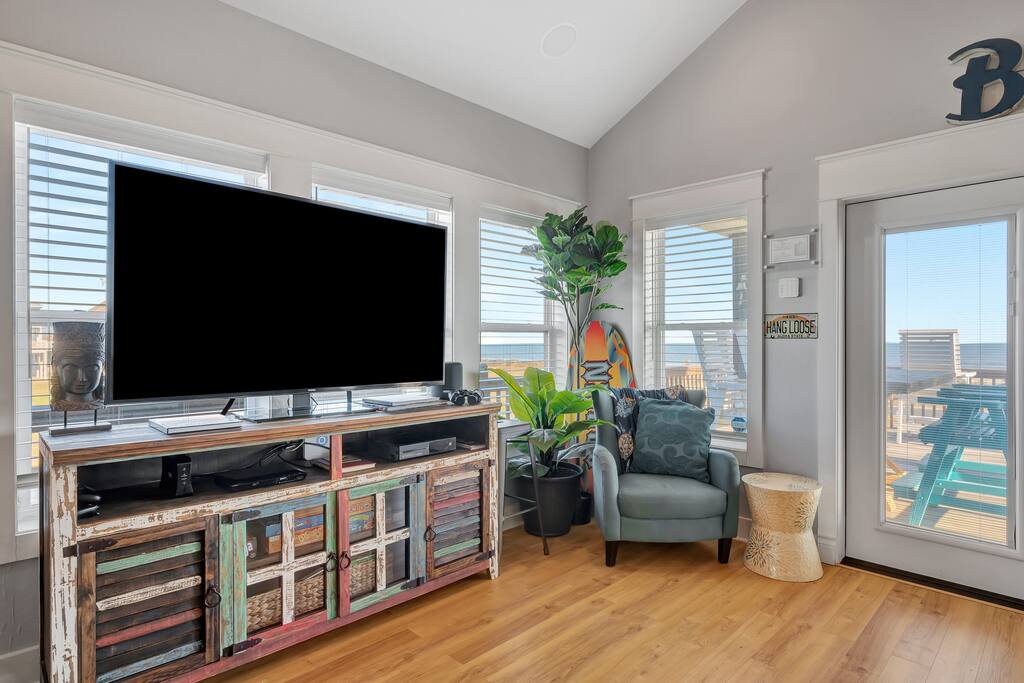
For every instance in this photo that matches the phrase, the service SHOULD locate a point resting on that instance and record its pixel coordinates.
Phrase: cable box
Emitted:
(245, 480)
(390, 450)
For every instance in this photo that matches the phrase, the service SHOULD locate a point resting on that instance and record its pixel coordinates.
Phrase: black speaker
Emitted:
(452, 381)
(452, 376)
(176, 480)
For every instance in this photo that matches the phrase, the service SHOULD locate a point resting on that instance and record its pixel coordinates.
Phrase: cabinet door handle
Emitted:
(346, 560)
(212, 598)
(429, 534)
(332, 561)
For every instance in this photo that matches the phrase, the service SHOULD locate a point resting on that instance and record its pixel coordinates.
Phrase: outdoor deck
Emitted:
(907, 452)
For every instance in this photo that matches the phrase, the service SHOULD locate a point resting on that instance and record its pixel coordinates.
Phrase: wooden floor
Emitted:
(665, 613)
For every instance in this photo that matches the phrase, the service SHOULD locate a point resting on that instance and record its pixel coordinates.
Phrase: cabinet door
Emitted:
(381, 541)
(458, 533)
(279, 569)
(148, 602)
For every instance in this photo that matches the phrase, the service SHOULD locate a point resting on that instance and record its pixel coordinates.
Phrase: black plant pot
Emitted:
(558, 495)
(584, 504)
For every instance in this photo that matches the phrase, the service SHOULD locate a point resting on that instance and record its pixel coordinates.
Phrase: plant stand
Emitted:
(533, 504)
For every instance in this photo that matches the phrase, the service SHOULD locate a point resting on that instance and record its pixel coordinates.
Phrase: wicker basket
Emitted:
(309, 593)
(363, 576)
(263, 610)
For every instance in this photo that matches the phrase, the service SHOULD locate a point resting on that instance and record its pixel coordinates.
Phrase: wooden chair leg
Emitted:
(611, 549)
(724, 548)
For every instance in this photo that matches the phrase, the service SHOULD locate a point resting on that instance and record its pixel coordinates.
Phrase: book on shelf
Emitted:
(349, 463)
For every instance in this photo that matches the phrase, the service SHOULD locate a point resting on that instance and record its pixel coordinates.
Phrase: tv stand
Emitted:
(157, 589)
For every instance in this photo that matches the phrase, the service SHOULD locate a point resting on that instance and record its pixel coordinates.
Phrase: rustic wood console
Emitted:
(159, 589)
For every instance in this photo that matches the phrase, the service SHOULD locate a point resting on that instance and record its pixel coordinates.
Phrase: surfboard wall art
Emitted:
(605, 358)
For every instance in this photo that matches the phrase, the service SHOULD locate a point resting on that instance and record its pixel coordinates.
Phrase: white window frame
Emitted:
(554, 327)
(729, 197)
(16, 546)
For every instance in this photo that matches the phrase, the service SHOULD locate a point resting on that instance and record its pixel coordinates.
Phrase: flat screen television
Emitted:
(220, 290)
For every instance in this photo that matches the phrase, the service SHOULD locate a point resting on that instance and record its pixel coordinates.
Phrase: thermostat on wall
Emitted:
(789, 288)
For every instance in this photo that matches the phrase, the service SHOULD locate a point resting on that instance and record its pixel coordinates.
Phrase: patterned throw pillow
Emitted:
(624, 402)
(672, 437)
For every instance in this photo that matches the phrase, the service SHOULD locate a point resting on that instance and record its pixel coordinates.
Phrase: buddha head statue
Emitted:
(76, 366)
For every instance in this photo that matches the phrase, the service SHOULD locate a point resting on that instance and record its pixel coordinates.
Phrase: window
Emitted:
(519, 328)
(698, 301)
(364, 193)
(695, 313)
(61, 246)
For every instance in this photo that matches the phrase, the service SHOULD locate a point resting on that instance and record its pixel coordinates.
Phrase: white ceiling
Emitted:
(489, 52)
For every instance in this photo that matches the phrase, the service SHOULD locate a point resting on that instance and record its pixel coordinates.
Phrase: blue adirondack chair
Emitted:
(974, 417)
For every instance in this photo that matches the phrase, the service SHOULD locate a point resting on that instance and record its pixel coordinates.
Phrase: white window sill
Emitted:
(729, 443)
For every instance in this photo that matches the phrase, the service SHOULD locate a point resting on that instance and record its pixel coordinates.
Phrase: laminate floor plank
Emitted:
(663, 613)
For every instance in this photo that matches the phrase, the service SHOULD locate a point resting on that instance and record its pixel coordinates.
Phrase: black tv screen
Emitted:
(220, 290)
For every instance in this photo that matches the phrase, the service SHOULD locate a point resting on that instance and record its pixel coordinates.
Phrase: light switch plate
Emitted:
(789, 288)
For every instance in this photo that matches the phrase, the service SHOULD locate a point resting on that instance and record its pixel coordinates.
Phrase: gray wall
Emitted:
(781, 82)
(19, 606)
(208, 48)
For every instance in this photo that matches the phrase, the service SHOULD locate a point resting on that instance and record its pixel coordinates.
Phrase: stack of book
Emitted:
(349, 464)
(398, 402)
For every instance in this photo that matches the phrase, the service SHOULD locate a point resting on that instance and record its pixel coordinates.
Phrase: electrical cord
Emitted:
(277, 450)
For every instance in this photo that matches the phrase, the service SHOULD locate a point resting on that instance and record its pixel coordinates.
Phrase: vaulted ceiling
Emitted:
(572, 68)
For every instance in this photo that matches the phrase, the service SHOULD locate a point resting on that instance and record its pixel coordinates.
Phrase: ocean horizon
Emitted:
(980, 356)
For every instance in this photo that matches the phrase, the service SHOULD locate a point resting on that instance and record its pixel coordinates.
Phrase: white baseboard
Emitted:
(828, 549)
(20, 666)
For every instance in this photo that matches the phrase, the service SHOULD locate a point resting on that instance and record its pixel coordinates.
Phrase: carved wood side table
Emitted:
(782, 508)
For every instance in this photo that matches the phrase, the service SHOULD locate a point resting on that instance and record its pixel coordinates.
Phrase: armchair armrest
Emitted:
(606, 493)
(725, 475)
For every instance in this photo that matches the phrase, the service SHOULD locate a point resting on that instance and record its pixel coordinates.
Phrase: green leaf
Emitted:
(519, 466)
(568, 403)
(535, 380)
(544, 439)
(513, 385)
(607, 307)
(523, 410)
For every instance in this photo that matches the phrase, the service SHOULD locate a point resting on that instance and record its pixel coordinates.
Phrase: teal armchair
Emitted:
(658, 508)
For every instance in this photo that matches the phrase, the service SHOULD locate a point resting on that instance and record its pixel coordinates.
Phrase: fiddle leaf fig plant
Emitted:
(577, 259)
(552, 417)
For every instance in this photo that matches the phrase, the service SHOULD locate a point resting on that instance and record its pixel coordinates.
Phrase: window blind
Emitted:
(695, 312)
(61, 247)
(519, 328)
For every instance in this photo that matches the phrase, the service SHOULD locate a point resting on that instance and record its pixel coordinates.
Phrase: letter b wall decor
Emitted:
(988, 62)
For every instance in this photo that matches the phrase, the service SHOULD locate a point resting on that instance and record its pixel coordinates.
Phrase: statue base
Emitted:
(81, 428)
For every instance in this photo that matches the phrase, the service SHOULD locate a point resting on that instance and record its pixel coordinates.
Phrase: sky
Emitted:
(948, 278)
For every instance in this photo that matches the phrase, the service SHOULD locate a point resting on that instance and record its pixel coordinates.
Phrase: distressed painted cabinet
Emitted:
(181, 589)
(278, 567)
(459, 507)
(148, 602)
(381, 544)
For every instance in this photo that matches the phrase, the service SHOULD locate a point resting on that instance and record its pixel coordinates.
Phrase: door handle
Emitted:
(332, 561)
(346, 560)
(429, 534)
(212, 598)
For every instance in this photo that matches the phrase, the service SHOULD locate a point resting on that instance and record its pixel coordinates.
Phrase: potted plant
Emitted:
(552, 417)
(577, 258)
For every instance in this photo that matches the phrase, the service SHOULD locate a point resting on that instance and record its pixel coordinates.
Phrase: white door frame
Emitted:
(991, 150)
